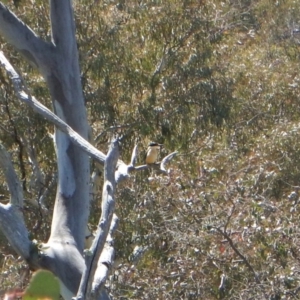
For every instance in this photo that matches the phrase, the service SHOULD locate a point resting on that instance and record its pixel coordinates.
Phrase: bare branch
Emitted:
(134, 155)
(166, 160)
(11, 217)
(13, 227)
(238, 253)
(23, 38)
(13, 182)
(123, 169)
(106, 260)
(108, 204)
(24, 96)
(158, 166)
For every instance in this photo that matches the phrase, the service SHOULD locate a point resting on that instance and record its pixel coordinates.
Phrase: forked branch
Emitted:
(108, 205)
(23, 94)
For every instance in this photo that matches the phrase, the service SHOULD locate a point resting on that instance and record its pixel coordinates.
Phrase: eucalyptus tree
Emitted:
(63, 254)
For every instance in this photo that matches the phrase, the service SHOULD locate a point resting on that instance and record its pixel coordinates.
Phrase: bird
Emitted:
(152, 152)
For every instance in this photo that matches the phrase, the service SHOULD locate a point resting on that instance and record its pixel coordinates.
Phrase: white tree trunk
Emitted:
(58, 63)
(63, 253)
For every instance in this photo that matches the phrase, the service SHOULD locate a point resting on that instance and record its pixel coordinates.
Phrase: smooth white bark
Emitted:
(34, 49)
(13, 182)
(106, 259)
(11, 216)
(14, 228)
(108, 204)
(58, 63)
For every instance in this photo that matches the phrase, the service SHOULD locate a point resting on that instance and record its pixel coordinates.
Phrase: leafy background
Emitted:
(215, 80)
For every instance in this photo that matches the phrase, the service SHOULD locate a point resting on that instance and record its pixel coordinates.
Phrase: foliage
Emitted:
(216, 80)
(43, 285)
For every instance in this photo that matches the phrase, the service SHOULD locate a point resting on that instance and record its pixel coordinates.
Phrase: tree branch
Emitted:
(106, 260)
(11, 218)
(238, 253)
(13, 182)
(166, 160)
(157, 166)
(108, 204)
(13, 227)
(24, 96)
(123, 170)
(134, 155)
(23, 38)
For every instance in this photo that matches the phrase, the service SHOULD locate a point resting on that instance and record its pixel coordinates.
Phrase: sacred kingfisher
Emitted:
(152, 153)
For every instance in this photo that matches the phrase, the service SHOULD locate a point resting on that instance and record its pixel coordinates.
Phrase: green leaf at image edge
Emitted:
(43, 285)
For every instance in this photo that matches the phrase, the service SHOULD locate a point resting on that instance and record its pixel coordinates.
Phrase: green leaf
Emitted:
(43, 285)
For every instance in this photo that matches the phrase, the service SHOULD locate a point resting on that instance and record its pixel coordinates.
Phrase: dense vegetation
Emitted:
(216, 80)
